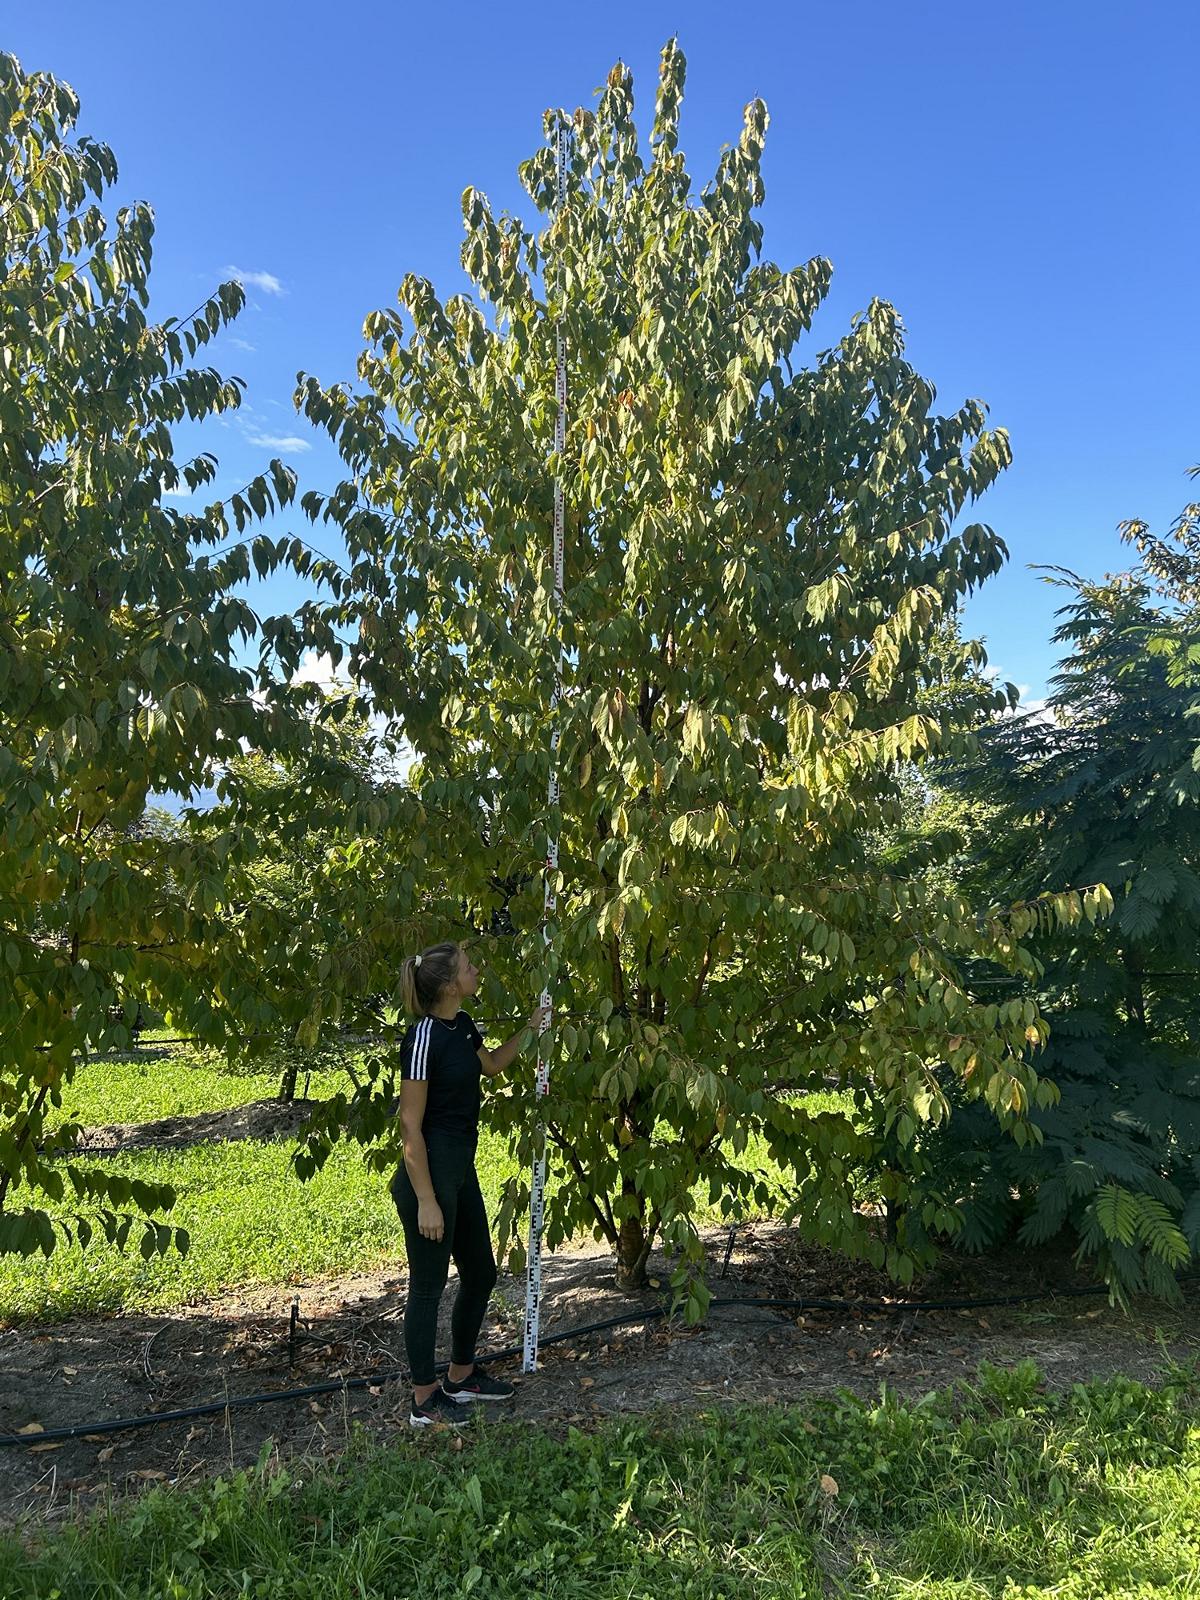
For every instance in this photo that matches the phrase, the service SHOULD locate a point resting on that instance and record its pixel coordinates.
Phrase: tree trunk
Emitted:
(287, 1084)
(891, 1220)
(633, 1241)
(633, 1251)
(1135, 996)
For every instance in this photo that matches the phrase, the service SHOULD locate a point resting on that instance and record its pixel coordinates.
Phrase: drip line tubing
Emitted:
(310, 1391)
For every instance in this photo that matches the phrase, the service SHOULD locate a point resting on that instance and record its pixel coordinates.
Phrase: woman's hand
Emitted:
(536, 1020)
(430, 1222)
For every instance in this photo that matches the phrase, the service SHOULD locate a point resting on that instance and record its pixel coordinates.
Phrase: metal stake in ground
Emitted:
(537, 1186)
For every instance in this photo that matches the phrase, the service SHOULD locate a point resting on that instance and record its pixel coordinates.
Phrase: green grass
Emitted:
(999, 1492)
(250, 1219)
(180, 1083)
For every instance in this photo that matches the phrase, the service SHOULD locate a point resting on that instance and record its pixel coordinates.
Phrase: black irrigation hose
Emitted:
(237, 1402)
(342, 1385)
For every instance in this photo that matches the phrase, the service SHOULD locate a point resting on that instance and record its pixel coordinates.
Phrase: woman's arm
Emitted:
(494, 1061)
(413, 1095)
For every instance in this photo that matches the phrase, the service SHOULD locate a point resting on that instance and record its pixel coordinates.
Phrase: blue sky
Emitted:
(1019, 181)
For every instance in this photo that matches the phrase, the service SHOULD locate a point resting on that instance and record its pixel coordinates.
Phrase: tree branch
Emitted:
(605, 1217)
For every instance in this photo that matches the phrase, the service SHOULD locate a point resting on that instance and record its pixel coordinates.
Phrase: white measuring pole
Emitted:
(537, 1187)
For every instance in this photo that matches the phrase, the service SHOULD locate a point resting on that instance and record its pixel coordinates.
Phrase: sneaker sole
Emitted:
(433, 1422)
(468, 1399)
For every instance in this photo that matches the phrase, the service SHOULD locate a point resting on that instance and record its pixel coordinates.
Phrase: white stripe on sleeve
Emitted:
(420, 1061)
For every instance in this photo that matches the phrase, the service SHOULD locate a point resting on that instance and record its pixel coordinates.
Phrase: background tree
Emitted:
(121, 677)
(921, 841)
(1104, 788)
(757, 558)
(298, 902)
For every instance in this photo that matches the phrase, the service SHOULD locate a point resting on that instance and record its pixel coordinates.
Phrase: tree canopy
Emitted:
(758, 556)
(124, 675)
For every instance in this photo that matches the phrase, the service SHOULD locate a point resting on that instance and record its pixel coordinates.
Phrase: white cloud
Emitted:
(178, 494)
(266, 281)
(316, 668)
(1033, 706)
(241, 344)
(279, 441)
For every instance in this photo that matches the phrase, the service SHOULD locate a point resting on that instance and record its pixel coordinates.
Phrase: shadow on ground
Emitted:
(257, 1119)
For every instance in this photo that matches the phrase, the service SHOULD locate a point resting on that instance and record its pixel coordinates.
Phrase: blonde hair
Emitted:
(423, 977)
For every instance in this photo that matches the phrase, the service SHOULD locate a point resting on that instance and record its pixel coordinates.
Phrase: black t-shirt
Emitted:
(443, 1055)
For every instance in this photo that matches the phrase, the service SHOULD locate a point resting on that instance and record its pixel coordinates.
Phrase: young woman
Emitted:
(436, 1190)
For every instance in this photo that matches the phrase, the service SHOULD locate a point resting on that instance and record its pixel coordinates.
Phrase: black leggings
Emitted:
(466, 1238)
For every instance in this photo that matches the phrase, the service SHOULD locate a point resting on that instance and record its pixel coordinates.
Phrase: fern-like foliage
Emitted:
(1101, 787)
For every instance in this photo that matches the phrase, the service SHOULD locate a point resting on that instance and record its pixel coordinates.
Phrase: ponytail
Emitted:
(423, 977)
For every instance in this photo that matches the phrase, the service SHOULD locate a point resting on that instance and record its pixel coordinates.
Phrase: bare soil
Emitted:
(95, 1368)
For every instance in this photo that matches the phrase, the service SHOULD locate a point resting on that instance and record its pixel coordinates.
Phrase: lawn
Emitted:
(250, 1219)
(180, 1082)
(999, 1491)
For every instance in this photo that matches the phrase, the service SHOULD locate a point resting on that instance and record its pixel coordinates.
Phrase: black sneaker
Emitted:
(478, 1386)
(437, 1408)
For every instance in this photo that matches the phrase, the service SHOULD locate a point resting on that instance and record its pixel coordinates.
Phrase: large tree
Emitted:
(123, 675)
(758, 556)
